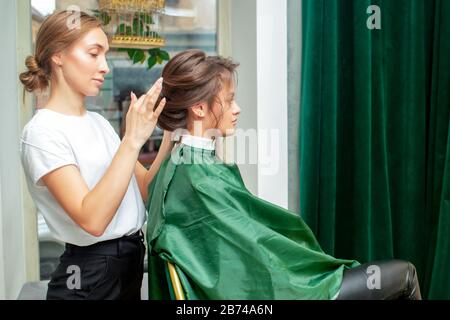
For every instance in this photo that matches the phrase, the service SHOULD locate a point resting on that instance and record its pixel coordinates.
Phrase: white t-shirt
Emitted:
(51, 140)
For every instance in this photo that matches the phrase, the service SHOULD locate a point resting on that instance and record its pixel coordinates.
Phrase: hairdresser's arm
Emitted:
(94, 209)
(144, 176)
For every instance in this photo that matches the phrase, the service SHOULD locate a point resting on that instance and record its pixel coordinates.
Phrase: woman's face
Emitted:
(227, 113)
(84, 64)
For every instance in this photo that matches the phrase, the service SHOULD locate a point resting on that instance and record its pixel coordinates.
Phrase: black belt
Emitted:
(115, 247)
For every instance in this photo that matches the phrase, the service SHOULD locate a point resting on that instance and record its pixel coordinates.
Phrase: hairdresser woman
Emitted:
(84, 180)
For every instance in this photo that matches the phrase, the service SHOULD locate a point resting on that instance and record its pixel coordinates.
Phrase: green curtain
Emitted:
(375, 135)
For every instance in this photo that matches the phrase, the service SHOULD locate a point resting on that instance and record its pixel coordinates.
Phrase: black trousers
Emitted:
(108, 270)
(381, 280)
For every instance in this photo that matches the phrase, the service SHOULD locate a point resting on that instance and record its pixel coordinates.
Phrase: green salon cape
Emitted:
(225, 242)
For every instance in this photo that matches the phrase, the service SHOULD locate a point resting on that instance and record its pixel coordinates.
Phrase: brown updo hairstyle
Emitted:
(55, 35)
(191, 77)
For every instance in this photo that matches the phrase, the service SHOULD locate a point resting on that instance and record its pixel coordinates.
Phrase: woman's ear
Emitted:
(56, 58)
(199, 110)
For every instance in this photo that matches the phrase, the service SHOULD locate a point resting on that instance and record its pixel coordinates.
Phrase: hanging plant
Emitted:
(152, 56)
(141, 27)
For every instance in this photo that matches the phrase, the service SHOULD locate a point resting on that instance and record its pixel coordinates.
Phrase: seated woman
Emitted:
(225, 242)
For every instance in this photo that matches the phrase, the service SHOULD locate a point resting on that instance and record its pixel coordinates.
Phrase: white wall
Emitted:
(2, 260)
(243, 50)
(294, 15)
(272, 101)
(258, 36)
(18, 234)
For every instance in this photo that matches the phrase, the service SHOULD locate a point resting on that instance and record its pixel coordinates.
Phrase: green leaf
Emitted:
(164, 55)
(159, 59)
(154, 52)
(145, 18)
(131, 53)
(144, 57)
(139, 56)
(128, 31)
(151, 62)
(105, 18)
(138, 27)
(148, 19)
(121, 29)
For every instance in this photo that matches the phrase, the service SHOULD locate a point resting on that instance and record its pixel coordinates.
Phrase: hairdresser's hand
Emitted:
(141, 119)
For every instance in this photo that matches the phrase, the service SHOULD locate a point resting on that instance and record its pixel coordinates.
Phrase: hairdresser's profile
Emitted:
(85, 181)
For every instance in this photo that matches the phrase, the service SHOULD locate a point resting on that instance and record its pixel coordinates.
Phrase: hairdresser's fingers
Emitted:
(156, 86)
(133, 102)
(151, 98)
(138, 103)
(154, 100)
(159, 109)
(133, 98)
(141, 103)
